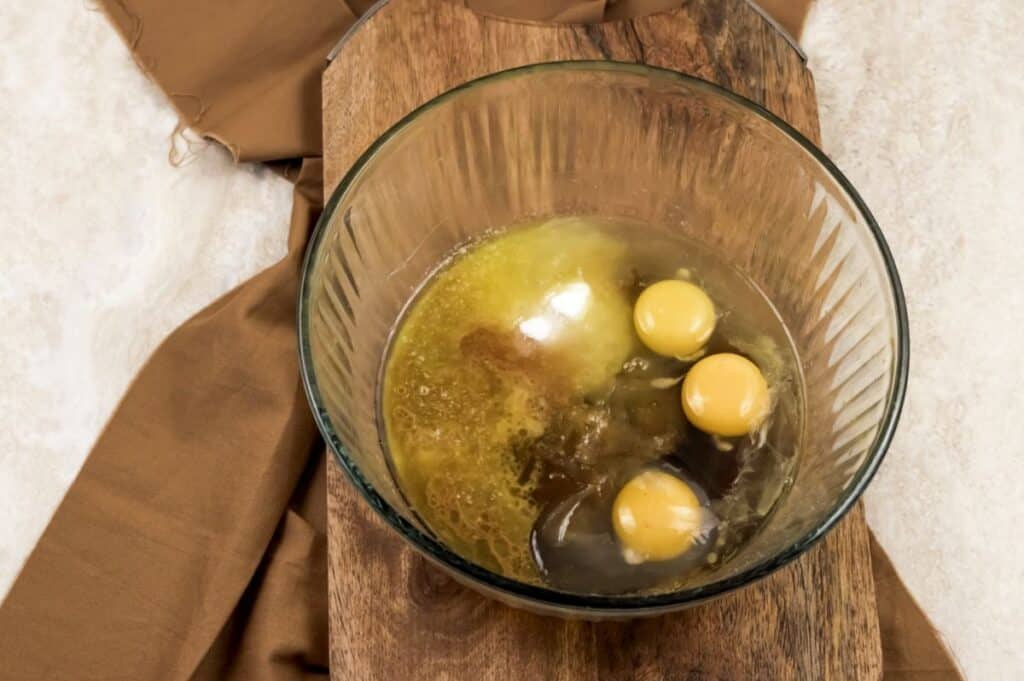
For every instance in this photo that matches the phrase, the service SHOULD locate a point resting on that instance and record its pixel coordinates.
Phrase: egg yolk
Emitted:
(674, 318)
(725, 394)
(656, 516)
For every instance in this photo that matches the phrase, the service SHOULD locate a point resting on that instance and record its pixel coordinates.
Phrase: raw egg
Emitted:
(656, 517)
(674, 318)
(725, 394)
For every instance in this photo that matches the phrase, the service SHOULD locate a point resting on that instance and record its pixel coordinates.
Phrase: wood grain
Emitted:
(395, 616)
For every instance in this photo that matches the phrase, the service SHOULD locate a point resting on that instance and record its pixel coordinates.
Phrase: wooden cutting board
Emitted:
(394, 617)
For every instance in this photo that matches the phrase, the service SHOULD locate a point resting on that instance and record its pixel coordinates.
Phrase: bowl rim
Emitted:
(593, 603)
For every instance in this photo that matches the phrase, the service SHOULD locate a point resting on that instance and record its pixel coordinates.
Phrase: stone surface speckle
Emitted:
(107, 247)
(920, 106)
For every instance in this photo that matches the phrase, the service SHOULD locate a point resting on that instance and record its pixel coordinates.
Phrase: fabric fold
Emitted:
(912, 650)
(245, 73)
(152, 549)
(192, 543)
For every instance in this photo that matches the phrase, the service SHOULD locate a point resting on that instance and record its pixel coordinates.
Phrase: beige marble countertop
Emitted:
(107, 247)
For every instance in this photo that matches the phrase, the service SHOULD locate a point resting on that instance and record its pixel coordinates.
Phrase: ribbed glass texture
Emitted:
(663, 150)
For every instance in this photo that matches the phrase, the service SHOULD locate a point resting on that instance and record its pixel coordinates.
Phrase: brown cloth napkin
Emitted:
(192, 545)
(789, 14)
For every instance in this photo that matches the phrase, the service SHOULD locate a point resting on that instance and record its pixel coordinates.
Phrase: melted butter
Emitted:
(495, 343)
(516, 384)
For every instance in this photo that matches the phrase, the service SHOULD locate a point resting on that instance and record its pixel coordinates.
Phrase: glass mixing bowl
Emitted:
(657, 148)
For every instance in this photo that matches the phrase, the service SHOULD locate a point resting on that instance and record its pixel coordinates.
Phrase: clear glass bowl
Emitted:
(623, 141)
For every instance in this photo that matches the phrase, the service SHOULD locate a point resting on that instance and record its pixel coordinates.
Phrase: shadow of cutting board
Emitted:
(396, 617)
